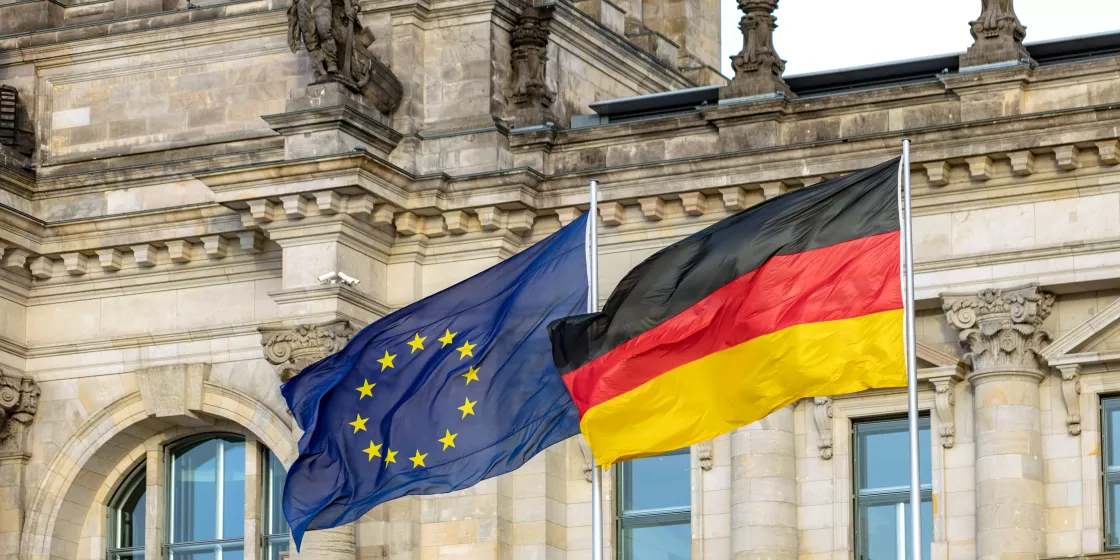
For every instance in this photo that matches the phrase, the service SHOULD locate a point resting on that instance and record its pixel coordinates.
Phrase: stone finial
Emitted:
(531, 96)
(338, 44)
(292, 349)
(1001, 329)
(998, 36)
(758, 68)
(19, 399)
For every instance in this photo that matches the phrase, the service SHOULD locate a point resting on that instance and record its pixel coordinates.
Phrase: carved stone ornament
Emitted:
(945, 401)
(704, 454)
(531, 96)
(822, 413)
(1071, 394)
(292, 349)
(1001, 330)
(15, 128)
(19, 399)
(758, 68)
(997, 34)
(339, 48)
(588, 458)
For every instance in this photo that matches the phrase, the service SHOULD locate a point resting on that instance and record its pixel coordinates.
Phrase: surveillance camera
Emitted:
(348, 280)
(328, 278)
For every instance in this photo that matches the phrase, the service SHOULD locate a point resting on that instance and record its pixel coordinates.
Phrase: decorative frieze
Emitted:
(1001, 329)
(758, 68)
(822, 414)
(19, 399)
(291, 349)
(1071, 394)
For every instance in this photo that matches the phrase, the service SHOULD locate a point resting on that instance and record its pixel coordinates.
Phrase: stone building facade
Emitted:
(177, 176)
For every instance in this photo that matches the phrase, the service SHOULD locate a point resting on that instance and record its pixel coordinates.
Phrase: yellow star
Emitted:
(360, 424)
(372, 451)
(465, 349)
(447, 337)
(471, 375)
(386, 361)
(418, 459)
(390, 456)
(417, 343)
(448, 440)
(366, 390)
(467, 408)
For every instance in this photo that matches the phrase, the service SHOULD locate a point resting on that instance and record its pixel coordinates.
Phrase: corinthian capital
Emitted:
(1001, 330)
(291, 349)
(19, 399)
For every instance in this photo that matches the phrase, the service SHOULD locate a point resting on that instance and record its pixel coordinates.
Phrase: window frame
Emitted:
(895, 494)
(167, 546)
(136, 479)
(649, 517)
(267, 537)
(1108, 403)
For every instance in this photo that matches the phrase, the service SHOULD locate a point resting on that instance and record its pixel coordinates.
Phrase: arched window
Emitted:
(206, 499)
(126, 517)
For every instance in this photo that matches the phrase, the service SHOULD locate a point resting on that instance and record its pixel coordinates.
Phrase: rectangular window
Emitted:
(882, 481)
(654, 499)
(1110, 410)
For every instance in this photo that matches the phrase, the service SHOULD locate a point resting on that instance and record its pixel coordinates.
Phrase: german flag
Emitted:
(796, 297)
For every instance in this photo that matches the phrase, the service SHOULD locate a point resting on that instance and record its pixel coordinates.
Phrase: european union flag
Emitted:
(453, 389)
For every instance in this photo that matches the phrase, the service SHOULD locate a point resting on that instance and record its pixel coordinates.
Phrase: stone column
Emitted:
(758, 68)
(19, 399)
(1002, 335)
(291, 350)
(998, 36)
(764, 489)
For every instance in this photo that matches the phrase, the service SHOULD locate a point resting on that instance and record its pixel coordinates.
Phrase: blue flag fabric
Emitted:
(453, 389)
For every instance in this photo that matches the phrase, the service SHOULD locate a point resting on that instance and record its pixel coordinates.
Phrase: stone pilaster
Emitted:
(764, 489)
(291, 350)
(1002, 335)
(758, 68)
(998, 36)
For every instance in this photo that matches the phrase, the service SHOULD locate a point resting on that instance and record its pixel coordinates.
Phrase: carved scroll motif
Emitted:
(292, 349)
(822, 413)
(19, 399)
(1071, 394)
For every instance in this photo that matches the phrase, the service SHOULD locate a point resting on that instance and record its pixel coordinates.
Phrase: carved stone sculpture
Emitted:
(339, 47)
(19, 399)
(1001, 329)
(531, 96)
(758, 68)
(822, 414)
(1071, 394)
(292, 349)
(15, 129)
(998, 36)
(704, 452)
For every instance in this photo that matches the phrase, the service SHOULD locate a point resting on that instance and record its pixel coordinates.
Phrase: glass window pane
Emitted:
(1111, 411)
(883, 454)
(127, 555)
(274, 494)
(276, 545)
(194, 492)
(883, 522)
(127, 512)
(233, 497)
(659, 482)
(657, 542)
(1112, 496)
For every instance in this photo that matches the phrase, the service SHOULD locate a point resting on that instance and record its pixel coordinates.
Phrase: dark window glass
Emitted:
(882, 466)
(274, 532)
(127, 516)
(654, 508)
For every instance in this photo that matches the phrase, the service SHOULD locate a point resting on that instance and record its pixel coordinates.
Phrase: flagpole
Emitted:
(593, 307)
(911, 357)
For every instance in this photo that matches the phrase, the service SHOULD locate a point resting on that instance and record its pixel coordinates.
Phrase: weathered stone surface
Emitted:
(292, 349)
(173, 392)
(998, 36)
(758, 69)
(19, 399)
